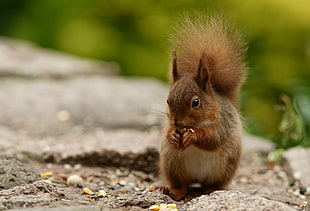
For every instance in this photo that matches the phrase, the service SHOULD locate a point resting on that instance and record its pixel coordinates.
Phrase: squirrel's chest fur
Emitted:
(201, 165)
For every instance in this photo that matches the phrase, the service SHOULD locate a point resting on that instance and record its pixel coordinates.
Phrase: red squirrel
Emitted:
(202, 137)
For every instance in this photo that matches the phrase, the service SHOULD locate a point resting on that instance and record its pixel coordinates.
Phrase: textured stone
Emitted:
(233, 201)
(72, 208)
(53, 107)
(256, 144)
(128, 148)
(14, 173)
(24, 59)
(7, 139)
(296, 161)
(37, 193)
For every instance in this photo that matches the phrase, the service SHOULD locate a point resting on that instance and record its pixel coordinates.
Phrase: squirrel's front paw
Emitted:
(174, 137)
(188, 138)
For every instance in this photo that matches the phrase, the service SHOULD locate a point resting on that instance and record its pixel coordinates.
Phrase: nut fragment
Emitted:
(46, 174)
(74, 179)
(164, 207)
(154, 207)
(87, 191)
(170, 206)
(102, 193)
(152, 188)
(191, 130)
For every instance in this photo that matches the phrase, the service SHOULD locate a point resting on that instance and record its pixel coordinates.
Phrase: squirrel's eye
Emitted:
(168, 102)
(195, 103)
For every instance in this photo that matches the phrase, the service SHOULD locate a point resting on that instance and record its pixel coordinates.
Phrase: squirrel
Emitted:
(202, 137)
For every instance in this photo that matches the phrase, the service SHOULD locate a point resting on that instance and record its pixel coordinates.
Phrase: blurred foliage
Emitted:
(135, 34)
(293, 126)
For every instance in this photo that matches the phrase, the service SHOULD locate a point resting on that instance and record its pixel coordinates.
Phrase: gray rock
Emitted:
(256, 144)
(296, 162)
(71, 208)
(144, 200)
(56, 197)
(127, 148)
(8, 139)
(36, 193)
(53, 107)
(233, 200)
(14, 173)
(21, 58)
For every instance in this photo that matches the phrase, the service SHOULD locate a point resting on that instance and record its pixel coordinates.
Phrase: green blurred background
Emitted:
(276, 97)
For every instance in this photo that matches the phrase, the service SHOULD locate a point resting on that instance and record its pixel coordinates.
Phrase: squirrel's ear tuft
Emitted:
(203, 73)
(175, 74)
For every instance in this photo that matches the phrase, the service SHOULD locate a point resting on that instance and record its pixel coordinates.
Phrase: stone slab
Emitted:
(52, 196)
(71, 208)
(253, 143)
(39, 193)
(53, 107)
(296, 161)
(25, 59)
(14, 173)
(134, 149)
(233, 201)
(256, 144)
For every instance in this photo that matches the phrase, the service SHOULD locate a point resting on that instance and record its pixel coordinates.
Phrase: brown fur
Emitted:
(222, 49)
(202, 141)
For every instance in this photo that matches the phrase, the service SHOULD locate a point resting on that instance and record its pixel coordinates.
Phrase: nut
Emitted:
(87, 191)
(154, 207)
(170, 206)
(152, 188)
(74, 179)
(191, 130)
(102, 193)
(46, 174)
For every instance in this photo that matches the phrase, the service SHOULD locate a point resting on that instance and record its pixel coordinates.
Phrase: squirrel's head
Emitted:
(190, 101)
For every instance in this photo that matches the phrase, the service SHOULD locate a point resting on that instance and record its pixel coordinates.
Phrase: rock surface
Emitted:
(255, 144)
(44, 193)
(73, 208)
(24, 59)
(133, 149)
(233, 201)
(296, 161)
(14, 173)
(53, 107)
(126, 148)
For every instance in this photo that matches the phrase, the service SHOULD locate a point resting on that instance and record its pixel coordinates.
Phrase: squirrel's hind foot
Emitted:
(174, 193)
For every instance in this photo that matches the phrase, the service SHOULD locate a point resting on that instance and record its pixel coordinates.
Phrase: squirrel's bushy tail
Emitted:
(222, 47)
